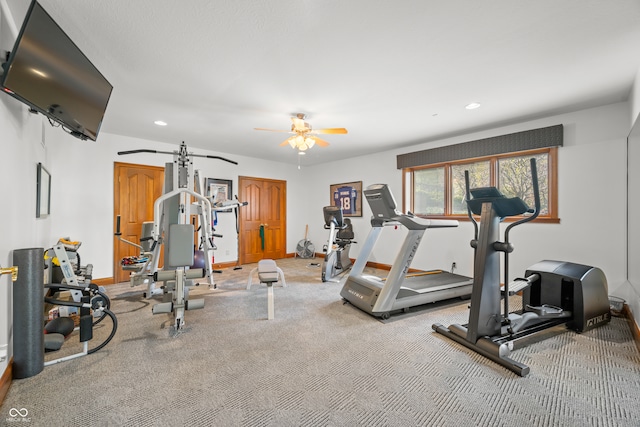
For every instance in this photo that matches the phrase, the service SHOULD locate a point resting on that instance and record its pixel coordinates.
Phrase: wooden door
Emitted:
(136, 187)
(267, 208)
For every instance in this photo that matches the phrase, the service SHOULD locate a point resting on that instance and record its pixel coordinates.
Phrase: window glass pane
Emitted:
(479, 176)
(514, 179)
(428, 191)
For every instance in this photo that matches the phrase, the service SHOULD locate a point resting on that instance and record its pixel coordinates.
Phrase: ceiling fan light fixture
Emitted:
(303, 136)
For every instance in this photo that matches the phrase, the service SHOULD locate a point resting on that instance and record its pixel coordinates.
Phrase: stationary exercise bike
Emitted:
(553, 292)
(336, 257)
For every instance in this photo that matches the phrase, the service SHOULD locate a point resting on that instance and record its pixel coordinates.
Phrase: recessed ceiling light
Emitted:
(301, 153)
(473, 106)
(160, 123)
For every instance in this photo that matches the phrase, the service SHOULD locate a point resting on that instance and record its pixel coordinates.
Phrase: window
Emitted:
(429, 191)
(438, 190)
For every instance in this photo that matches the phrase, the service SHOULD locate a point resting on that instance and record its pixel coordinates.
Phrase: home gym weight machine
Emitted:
(172, 229)
(336, 258)
(553, 292)
(87, 298)
(142, 267)
(399, 291)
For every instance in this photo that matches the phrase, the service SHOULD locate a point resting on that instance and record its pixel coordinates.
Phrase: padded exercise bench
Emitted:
(268, 273)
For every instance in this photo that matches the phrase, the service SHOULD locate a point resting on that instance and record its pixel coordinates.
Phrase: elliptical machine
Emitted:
(336, 257)
(553, 292)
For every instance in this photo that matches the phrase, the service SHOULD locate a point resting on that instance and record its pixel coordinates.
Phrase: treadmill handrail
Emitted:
(415, 223)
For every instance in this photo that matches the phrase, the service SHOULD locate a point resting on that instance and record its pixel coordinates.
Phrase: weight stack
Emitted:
(28, 313)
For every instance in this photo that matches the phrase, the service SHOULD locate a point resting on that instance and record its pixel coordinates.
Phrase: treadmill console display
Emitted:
(381, 201)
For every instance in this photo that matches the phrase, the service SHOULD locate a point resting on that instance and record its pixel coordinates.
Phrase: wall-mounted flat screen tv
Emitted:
(48, 72)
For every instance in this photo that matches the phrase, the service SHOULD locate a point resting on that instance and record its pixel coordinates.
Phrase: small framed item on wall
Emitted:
(43, 196)
(220, 189)
(347, 196)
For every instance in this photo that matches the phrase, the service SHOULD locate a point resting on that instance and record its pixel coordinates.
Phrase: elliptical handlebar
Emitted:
(536, 201)
(467, 198)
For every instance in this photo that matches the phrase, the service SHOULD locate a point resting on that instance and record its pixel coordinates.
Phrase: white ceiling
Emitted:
(394, 73)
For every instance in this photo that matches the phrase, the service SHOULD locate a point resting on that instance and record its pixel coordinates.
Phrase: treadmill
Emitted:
(399, 291)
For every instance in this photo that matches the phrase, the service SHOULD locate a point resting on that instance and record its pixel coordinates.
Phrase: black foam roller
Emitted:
(28, 313)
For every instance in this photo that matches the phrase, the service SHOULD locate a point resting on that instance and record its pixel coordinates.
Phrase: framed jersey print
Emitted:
(348, 196)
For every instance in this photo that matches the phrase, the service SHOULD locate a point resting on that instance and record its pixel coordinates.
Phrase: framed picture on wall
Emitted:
(348, 196)
(43, 196)
(221, 189)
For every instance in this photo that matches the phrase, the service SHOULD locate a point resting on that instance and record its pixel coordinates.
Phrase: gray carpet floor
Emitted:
(321, 363)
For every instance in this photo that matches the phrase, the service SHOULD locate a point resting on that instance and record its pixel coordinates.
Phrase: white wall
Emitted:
(20, 152)
(592, 200)
(591, 185)
(631, 291)
(634, 99)
(82, 195)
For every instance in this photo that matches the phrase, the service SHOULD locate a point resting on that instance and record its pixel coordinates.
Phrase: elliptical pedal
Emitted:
(547, 311)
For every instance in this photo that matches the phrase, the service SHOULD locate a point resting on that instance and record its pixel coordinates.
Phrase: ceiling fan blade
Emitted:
(273, 130)
(330, 130)
(320, 142)
(286, 142)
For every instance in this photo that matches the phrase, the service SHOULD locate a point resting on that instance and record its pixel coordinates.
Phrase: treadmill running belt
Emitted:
(422, 281)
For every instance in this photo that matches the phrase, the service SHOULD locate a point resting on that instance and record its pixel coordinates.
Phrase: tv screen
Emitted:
(48, 72)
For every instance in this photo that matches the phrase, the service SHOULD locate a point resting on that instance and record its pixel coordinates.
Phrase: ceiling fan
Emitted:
(303, 135)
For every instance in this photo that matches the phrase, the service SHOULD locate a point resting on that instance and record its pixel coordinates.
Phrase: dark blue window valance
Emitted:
(520, 141)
